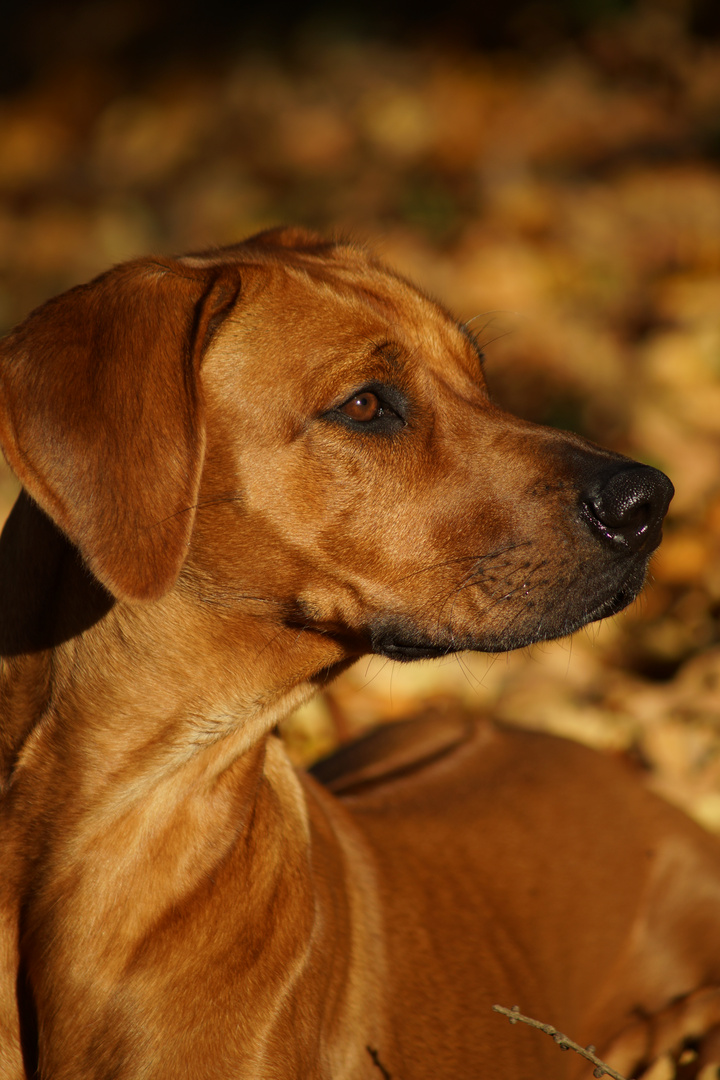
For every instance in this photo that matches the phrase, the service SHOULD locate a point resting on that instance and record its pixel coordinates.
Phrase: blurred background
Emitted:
(549, 169)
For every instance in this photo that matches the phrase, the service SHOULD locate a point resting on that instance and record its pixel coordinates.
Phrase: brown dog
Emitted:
(243, 470)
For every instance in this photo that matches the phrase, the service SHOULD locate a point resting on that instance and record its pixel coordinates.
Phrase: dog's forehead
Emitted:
(318, 307)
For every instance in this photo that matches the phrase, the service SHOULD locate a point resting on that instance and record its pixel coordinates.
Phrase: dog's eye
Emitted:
(363, 407)
(377, 409)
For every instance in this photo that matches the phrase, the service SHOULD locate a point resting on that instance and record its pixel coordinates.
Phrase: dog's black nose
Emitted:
(627, 508)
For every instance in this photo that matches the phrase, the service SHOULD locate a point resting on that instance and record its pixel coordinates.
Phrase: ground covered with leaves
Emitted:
(568, 202)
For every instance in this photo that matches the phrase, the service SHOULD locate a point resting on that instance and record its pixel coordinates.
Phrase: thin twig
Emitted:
(378, 1063)
(588, 1052)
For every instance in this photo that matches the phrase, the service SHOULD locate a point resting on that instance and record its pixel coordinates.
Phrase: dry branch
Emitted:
(588, 1052)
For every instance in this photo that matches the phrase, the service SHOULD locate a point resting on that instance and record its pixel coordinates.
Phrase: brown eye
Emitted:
(363, 407)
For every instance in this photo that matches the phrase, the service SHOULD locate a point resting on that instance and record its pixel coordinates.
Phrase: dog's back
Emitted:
(516, 868)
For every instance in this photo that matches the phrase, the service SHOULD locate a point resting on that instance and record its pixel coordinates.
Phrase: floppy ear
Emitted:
(102, 420)
(291, 236)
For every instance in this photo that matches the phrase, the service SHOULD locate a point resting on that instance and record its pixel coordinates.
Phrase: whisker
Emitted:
(197, 506)
(371, 658)
(469, 676)
(456, 559)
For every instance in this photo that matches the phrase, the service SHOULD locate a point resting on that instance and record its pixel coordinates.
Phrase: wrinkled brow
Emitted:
(390, 352)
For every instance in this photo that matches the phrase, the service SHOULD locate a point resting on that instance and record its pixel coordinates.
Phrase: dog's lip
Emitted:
(398, 650)
(404, 642)
(612, 606)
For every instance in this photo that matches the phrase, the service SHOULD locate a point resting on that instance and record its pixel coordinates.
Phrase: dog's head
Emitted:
(286, 422)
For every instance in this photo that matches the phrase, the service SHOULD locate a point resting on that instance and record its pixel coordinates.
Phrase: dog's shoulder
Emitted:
(393, 750)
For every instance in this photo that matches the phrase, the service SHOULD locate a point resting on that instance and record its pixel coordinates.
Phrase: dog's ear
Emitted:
(291, 236)
(102, 420)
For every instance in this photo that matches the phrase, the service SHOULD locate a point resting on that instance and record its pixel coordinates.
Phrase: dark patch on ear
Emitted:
(47, 594)
(27, 1015)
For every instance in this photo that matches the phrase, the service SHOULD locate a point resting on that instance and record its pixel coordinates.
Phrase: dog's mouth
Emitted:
(401, 639)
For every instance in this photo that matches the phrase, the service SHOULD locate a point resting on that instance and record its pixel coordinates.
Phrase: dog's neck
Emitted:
(66, 647)
(158, 790)
(123, 719)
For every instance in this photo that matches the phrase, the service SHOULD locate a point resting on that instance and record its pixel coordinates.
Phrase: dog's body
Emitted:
(242, 471)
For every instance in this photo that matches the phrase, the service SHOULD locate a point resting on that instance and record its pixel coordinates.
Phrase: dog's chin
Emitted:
(401, 639)
(613, 606)
(618, 597)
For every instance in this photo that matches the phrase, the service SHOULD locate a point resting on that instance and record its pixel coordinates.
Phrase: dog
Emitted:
(241, 471)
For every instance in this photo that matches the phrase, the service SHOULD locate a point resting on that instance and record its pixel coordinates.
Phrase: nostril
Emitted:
(628, 508)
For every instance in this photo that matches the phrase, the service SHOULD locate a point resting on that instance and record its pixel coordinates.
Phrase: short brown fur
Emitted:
(204, 538)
